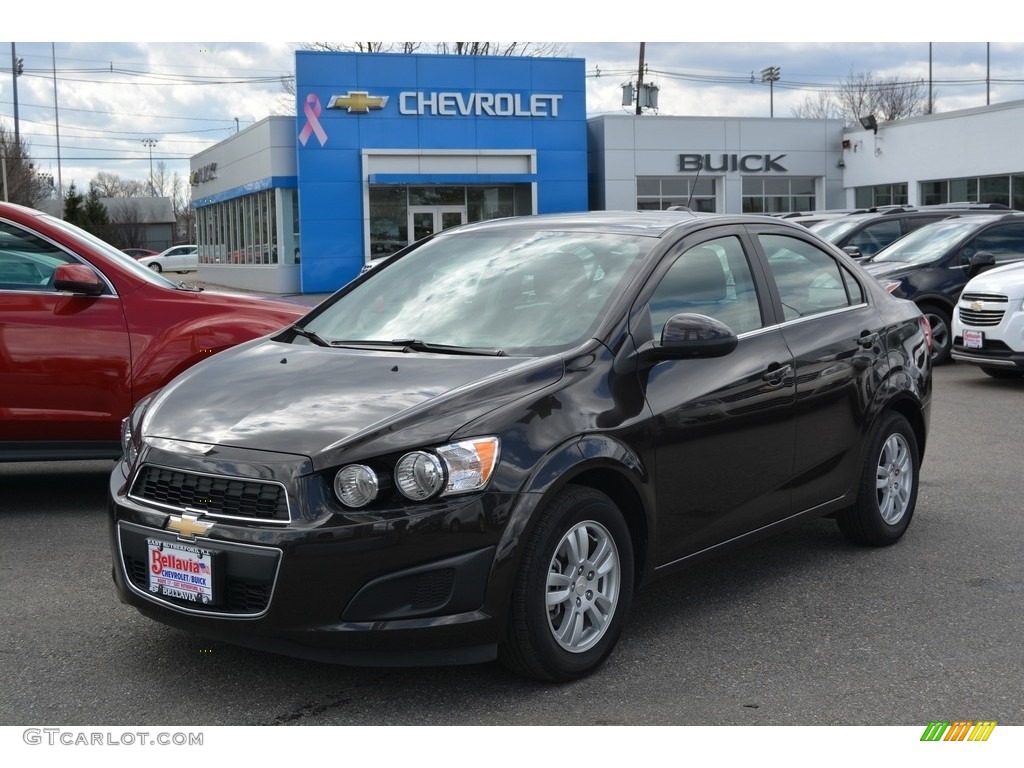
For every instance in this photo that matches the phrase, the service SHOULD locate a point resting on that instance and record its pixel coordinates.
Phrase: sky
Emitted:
(109, 101)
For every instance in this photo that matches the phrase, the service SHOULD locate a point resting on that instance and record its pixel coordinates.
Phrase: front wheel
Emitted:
(574, 589)
(888, 486)
(942, 334)
(155, 267)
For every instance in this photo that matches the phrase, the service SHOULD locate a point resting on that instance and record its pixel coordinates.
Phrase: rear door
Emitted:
(64, 360)
(834, 335)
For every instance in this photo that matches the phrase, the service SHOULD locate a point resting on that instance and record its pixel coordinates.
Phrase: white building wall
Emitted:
(984, 141)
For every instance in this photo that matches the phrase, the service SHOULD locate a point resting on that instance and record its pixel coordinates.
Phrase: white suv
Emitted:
(988, 326)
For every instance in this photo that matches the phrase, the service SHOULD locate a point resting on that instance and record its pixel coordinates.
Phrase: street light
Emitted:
(150, 143)
(17, 68)
(770, 75)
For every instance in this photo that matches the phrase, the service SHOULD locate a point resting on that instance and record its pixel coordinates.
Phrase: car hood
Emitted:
(1008, 280)
(319, 402)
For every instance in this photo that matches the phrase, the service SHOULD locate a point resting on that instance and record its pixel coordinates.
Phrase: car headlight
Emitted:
(356, 485)
(892, 285)
(129, 448)
(447, 470)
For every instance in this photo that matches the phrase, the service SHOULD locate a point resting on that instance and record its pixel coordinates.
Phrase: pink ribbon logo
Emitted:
(312, 111)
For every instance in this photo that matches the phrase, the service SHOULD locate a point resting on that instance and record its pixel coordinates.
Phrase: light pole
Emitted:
(17, 67)
(150, 143)
(771, 75)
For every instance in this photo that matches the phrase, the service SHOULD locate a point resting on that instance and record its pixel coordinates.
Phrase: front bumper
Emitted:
(1000, 322)
(413, 584)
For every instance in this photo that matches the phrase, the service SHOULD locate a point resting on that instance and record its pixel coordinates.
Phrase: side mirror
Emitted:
(78, 278)
(853, 252)
(980, 261)
(692, 335)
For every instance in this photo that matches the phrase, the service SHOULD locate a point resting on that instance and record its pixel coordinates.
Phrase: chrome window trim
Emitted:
(110, 291)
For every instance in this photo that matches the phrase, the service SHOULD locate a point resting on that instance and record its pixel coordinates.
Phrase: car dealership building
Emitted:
(388, 148)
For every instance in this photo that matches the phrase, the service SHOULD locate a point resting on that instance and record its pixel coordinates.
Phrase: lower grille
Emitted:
(214, 495)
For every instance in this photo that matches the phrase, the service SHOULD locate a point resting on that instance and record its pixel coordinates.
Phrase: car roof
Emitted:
(643, 223)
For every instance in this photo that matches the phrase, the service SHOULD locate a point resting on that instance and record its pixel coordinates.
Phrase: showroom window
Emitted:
(655, 193)
(768, 194)
(881, 194)
(244, 230)
(1004, 190)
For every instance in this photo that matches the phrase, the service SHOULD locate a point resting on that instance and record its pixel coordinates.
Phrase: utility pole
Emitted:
(150, 143)
(771, 75)
(17, 67)
(639, 80)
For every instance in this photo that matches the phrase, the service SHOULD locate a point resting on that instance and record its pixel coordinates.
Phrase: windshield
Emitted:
(505, 291)
(111, 252)
(930, 242)
(834, 229)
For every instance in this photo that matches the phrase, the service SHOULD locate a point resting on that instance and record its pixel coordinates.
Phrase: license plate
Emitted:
(181, 571)
(974, 339)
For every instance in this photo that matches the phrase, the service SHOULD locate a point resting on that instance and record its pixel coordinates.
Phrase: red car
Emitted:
(86, 332)
(139, 253)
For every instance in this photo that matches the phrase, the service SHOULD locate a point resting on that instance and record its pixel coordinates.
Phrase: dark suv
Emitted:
(931, 265)
(864, 233)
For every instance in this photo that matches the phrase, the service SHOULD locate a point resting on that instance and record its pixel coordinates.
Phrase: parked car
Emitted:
(139, 253)
(931, 265)
(86, 331)
(864, 233)
(178, 258)
(988, 326)
(599, 399)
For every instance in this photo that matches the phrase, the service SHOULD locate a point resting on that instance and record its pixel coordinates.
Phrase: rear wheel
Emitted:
(574, 589)
(942, 335)
(888, 486)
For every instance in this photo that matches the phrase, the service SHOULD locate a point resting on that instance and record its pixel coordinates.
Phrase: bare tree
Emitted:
(160, 181)
(21, 181)
(818, 106)
(184, 213)
(129, 230)
(901, 98)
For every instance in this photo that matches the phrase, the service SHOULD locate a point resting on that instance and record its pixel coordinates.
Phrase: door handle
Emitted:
(775, 376)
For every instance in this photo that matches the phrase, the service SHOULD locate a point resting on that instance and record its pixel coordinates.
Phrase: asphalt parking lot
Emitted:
(804, 629)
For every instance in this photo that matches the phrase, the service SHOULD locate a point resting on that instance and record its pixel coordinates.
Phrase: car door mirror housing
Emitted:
(693, 335)
(77, 278)
(979, 262)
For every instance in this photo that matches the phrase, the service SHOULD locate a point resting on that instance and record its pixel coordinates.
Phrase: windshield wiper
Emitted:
(311, 335)
(418, 345)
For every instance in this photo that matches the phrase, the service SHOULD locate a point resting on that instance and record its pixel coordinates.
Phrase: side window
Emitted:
(876, 236)
(809, 279)
(712, 279)
(1005, 242)
(27, 262)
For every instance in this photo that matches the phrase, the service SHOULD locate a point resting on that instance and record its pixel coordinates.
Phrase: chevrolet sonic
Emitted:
(481, 448)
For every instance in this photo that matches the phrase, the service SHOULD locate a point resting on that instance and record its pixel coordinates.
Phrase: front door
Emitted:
(425, 220)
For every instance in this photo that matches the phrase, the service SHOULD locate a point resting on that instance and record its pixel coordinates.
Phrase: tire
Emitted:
(155, 267)
(888, 486)
(569, 606)
(1001, 373)
(942, 332)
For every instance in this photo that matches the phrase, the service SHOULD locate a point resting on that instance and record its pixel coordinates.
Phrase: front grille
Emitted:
(988, 315)
(241, 596)
(212, 494)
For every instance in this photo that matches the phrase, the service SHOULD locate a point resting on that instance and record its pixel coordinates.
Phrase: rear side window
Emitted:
(810, 281)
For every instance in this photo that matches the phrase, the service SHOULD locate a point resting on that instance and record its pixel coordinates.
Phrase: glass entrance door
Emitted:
(425, 220)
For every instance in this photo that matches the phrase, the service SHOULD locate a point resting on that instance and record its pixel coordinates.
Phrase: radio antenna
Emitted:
(700, 166)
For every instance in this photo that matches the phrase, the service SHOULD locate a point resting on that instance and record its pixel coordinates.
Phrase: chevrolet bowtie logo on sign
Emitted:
(357, 102)
(188, 526)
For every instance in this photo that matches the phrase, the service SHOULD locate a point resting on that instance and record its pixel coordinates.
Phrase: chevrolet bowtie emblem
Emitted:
(977, 306)
(357, 101)
(188, 526)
